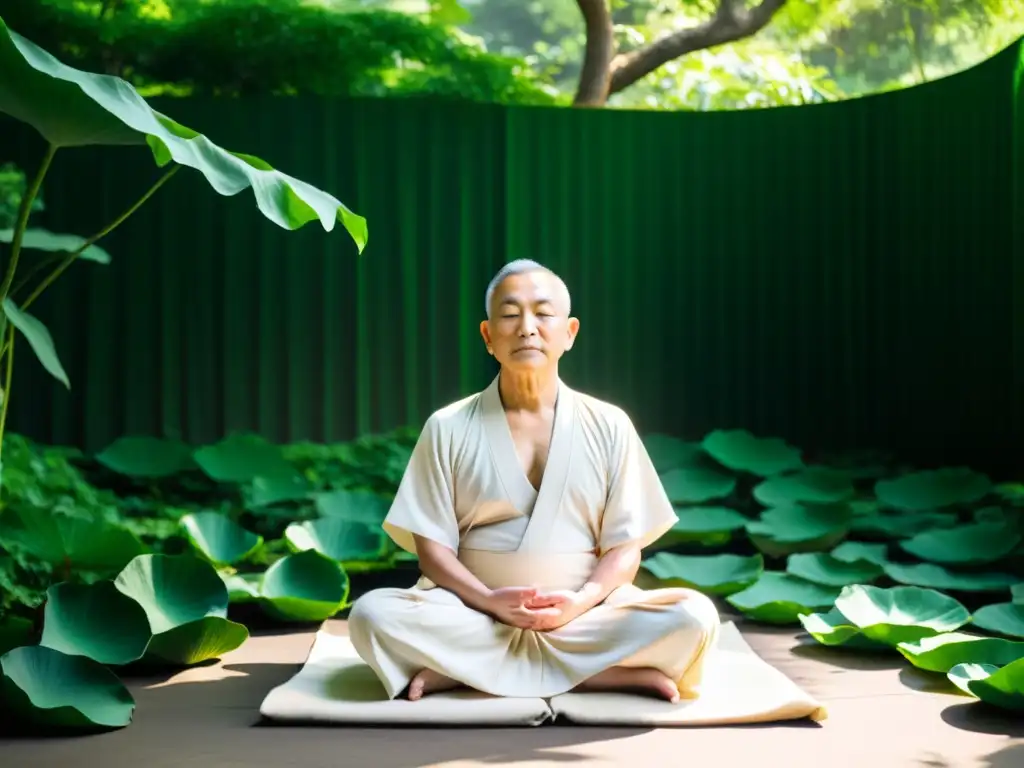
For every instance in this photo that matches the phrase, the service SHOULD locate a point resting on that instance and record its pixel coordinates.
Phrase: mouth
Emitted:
(525, 349)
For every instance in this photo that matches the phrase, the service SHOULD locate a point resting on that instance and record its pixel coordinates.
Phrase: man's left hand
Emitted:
(569, 604)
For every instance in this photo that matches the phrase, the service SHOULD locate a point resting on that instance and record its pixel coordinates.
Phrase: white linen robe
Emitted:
(466, 489)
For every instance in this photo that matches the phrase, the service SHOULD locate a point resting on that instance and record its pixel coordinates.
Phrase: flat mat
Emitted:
(335, 686)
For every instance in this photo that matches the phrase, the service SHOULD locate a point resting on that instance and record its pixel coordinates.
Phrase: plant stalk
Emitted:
(8, 376)
(69, 259)
(22, 223)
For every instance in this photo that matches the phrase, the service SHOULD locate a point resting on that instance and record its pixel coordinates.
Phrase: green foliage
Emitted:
(280, 47)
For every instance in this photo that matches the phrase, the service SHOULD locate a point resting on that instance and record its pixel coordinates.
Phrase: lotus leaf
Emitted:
(779, 598)
(900, 614)
(1001, 687)
(784, 530)
(829, 628)
(814, 485)
(44, 240)
(667, 452)
(1011, 517)
(712, 574)
(1017, 593)
(146, 457)
(933, 489)
(44, 687)
(897, 525)
(936, 577)
(707, 525)
(276, 489)
(830, 571)
(220, 538)
(38, 337)
(694, 485)
(357, 506)
(1012, 493)
(305, 586)
(186, 603)
(15, 631)
(348, 542)
(974, 544)
(852, 551)
(72, 108)
(1001, 619)
(741, 451)
(97, 621)
(241, 458)
(242, 587)
(940, 653)
(71, 542)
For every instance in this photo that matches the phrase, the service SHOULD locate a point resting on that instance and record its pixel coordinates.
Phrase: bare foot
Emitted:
(428, 681)
(645, 680)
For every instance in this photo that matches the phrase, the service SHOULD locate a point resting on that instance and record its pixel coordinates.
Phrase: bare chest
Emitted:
(531, 436)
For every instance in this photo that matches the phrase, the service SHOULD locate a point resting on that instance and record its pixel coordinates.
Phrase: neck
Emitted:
(528, 390)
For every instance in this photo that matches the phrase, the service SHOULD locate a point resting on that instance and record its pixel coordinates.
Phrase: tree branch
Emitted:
(595, 74)
(731, 22)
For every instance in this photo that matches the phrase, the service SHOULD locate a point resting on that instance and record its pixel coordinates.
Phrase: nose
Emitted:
(528, 325)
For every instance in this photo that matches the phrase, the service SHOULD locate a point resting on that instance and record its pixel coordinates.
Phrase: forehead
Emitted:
(527, 287)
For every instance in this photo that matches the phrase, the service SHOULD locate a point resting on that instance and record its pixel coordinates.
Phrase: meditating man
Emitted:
(528, 505)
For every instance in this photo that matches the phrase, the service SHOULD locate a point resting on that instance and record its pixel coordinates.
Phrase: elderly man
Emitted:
(528, 505)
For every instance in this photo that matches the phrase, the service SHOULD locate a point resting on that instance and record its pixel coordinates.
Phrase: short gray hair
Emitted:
(517, 267)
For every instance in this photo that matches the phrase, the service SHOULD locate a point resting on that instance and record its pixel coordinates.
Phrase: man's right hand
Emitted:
(508, 605)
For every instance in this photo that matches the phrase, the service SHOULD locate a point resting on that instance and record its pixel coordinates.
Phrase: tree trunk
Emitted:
(605, 73)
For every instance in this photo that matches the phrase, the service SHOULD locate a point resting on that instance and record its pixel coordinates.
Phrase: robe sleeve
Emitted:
(637, 508)
(425, 502)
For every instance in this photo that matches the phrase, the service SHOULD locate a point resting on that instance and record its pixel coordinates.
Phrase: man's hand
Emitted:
(518, 607)
(556, 608)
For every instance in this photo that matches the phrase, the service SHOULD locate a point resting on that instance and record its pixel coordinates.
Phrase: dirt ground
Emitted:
(882, 714)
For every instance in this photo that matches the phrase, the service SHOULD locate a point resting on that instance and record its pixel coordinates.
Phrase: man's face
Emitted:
(530, 325)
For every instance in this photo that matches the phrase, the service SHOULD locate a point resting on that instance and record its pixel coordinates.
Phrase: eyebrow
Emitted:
(517, 302)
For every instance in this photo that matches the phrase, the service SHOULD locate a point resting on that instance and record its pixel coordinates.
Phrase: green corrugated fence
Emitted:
(841, 275)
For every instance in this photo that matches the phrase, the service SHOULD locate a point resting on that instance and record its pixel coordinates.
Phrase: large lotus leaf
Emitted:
(782, 531)
(277, 489)
(712, 574)
(146, 457)
(814, 485)
(186, 604)
(709, 526)
(934, 576)
(1001, 687)
(973, 544)
(852, 551)
(74, 542)
(219, 538)
(900, 614)
(933, 489)
(829, 571)
(72, 108)
(1001, 619)
(889, 525)
(15, 631)
(351, 544)
(779, 598)
(95, 620)
(741, 451)
(694, 485)
(1017, 593)
(242, 587)
(44, 687)
(940, 653)
(44, 240)
(242, 457)
(832, 628)
(358, 506)
(305, 586)
(667, 452)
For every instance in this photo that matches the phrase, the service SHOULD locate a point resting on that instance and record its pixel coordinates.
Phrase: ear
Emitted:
(485, 334)
(572, 327)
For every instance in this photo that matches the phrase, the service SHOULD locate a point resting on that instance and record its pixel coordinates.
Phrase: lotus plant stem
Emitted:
(22, 222)
(8, 375)
(102, 233)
